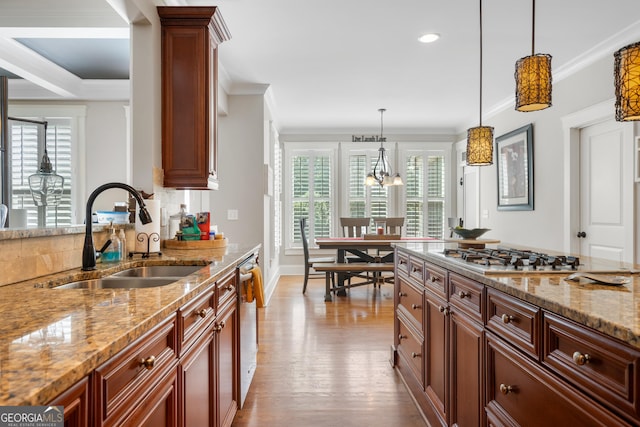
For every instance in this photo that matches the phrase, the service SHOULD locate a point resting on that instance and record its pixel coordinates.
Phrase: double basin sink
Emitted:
(136, 278)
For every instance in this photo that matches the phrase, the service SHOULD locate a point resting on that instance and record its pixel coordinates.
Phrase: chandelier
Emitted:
(382, 170)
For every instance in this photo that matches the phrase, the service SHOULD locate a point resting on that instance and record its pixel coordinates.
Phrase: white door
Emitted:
(606, 192)
(471, 197)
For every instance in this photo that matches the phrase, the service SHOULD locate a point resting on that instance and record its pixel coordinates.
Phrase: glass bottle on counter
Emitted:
(113, 252)
(176, 219)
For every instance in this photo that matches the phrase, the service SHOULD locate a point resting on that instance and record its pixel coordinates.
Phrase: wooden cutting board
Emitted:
(472, 243)
(195, 244)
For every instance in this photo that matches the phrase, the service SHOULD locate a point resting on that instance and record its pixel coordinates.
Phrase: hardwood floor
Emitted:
(327, 364)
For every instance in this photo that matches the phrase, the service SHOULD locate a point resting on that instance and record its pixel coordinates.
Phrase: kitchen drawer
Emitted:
(194, 317)
(402, 264)
(520, 392)
(435, 279)
(466, 295)
(514, 320)
(416, 269)
(599, 365)
(123, 381)
(410, 301)
(411, 348)
(226, 288)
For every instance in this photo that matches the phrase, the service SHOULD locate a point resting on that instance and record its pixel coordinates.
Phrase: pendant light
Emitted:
(533, 76)
(627, 81)
(381, 173)
(46, 185)
(480, 138)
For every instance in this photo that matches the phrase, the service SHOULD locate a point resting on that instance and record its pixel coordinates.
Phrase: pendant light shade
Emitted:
(533, 82)
(533, 76)
(480, 146)
(627, 81)
(46, 185)
(381, 173)
(480, 138)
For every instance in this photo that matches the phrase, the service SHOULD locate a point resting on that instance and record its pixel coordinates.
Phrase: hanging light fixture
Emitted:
(381, 173)
(480, 138)
(533, 76)
(627, 81)
(46, 185)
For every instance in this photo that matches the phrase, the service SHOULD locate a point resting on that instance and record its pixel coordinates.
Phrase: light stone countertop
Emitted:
(612, 310)
(51, 338)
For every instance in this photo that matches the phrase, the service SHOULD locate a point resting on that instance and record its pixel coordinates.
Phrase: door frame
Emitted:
(571, 125)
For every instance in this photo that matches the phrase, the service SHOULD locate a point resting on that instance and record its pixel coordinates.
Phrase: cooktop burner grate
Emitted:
(516, 259)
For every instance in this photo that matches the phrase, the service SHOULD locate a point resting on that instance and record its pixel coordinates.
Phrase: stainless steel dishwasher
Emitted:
(248, 327)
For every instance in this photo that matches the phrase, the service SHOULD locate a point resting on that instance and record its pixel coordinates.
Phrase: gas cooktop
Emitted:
(517, 260)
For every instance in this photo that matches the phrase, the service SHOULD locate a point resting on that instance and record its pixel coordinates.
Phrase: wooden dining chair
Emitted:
(308, 261)
(354, 227)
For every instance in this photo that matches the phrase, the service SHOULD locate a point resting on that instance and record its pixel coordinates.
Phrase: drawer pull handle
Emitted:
(414, 355)
(464, 295)
(506, 389)
(416, 306)
(402, 294)
(434, 278)
(443, 310)
(202, 313)
(402, 337)
(506, 318)
(219, 326)
(149, 362)
(581, 359)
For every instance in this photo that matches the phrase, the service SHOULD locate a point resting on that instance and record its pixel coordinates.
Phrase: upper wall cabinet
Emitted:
(190, 39)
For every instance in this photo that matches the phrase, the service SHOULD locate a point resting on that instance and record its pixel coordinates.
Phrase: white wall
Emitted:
(543, 227)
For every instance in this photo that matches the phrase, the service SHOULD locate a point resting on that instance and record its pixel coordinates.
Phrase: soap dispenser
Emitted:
(113, 252)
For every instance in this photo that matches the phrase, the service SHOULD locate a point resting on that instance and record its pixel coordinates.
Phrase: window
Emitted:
(425, 193)
(310, 193)
(361, 200)
(27, 149)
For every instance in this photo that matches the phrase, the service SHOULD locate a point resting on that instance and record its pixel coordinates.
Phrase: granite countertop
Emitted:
(612, 310)
(51, 338)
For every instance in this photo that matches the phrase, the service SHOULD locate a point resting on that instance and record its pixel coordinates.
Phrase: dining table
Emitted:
(370, 249)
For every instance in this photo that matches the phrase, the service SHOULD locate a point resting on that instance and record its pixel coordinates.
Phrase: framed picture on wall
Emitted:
(515, 169)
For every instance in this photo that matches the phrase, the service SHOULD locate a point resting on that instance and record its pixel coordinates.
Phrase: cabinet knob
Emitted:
(401, 337)
(581, 359)
(506, 318)
(149, 362)
(443, 310)
(416, 306)
(402, 294)
(464, 295)
(231, 288)
(401, 262)
(414, 355)
(506, 389)
(219, 326)
(434, 278)
(202, 313)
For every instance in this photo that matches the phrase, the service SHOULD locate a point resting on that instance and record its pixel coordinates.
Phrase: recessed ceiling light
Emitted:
(429, 38)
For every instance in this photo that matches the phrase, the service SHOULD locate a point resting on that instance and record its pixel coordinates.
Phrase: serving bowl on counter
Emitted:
(470, 234)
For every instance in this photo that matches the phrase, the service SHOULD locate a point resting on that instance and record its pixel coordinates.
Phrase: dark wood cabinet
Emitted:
(197, 379)
(76, 404)
(436, 360)
(227, 366)
(190, 40)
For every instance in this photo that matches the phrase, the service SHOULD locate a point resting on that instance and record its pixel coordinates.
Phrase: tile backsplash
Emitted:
(27, 254)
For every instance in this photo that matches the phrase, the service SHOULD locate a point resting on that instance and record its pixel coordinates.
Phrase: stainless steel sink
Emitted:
(119, 282)
(159, 271)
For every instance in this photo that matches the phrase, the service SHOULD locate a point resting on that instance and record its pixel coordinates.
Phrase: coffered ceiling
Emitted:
(329, 64)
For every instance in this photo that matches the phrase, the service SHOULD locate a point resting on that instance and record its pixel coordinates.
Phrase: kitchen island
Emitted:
(52, 338)
(478, 347)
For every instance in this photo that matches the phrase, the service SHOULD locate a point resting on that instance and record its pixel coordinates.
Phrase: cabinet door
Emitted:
(76, 404)
(436, 353)
(227, 355)
(197, 382)
(160, 406)
(467, 371)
